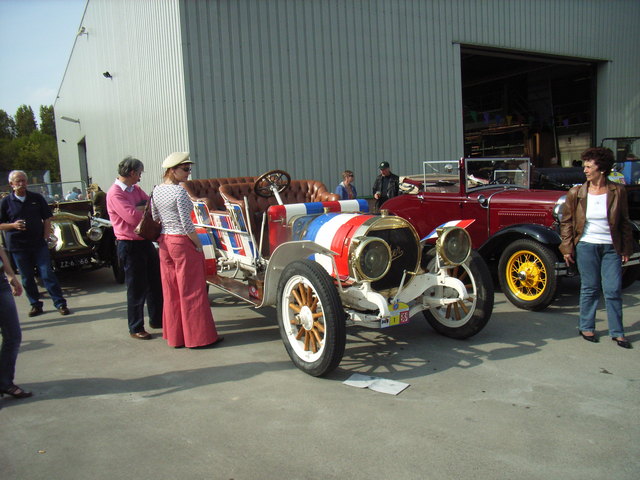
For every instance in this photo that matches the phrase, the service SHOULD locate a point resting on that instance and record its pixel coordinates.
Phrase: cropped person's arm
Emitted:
(16, 286)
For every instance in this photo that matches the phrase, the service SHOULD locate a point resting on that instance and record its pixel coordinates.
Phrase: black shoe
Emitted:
(35, 310)
(155, 325)
(624, 343)
(16, 392)
(64, 310)
(589, 338)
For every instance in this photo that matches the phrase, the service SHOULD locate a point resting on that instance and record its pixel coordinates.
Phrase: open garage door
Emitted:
(523, 104)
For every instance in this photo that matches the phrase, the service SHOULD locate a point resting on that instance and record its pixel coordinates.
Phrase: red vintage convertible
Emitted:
(516, 228)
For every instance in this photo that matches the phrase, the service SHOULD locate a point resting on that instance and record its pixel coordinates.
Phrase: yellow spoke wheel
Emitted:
(527, 274)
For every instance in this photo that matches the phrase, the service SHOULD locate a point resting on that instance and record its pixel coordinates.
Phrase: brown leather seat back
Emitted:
(304, 191)
(208, 189)
(299, 191)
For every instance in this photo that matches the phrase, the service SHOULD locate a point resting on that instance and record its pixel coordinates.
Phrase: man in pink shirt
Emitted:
(125, 204)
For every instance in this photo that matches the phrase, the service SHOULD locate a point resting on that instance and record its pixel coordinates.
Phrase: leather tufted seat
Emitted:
(299, 191)
(208, 189)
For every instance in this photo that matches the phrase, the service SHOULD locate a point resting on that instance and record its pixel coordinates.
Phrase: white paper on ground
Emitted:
(377, 384)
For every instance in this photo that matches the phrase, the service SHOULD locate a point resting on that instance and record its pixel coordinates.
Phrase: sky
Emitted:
(36, 38)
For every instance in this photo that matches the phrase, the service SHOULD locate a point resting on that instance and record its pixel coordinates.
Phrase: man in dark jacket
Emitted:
(26, 219)
(387, 185)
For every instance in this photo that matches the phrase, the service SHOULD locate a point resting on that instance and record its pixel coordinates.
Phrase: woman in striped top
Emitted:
(186, 315)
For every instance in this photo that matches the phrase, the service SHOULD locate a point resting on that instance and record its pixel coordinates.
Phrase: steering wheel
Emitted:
(273, 178)
(500, 180)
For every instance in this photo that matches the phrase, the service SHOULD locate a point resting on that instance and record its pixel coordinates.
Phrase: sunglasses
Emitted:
(185, 169)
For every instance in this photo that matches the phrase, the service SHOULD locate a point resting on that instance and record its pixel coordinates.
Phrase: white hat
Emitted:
(175, 159)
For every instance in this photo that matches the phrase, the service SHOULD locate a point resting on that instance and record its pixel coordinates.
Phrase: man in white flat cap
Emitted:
(125, 204)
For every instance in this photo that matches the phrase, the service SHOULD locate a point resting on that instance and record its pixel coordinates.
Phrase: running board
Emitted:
(234, 287)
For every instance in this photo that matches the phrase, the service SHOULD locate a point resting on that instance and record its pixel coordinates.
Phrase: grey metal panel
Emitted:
(316, 86)
(141, 110)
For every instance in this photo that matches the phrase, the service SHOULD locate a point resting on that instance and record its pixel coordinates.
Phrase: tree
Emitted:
(7, 126)
(24, 147)
(47, 120)
(25, 121)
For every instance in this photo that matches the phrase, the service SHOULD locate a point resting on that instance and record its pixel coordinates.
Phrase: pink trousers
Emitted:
(186, 314)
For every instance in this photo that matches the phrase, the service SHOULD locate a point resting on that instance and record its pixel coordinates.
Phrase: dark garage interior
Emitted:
(522, 104)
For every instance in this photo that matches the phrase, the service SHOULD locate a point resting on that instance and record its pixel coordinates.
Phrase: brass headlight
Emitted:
(372, 258)
(454, 245)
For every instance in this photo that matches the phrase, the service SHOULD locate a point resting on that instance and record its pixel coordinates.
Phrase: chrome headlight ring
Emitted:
(558, 208)
(453, 245)
(371, 258)
(94, 234)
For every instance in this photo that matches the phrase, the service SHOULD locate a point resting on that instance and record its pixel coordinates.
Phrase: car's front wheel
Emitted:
(311, 318)
(463, 318)
(527, 274)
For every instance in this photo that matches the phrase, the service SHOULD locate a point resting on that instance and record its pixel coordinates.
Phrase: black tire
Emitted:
(464, 319)
(311, 318)
(527, 274)
(632, 273)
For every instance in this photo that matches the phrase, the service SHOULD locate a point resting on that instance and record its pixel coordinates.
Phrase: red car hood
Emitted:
(521, 198)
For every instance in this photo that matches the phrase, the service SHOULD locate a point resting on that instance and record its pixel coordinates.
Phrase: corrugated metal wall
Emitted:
(314, 87)
(141, 110)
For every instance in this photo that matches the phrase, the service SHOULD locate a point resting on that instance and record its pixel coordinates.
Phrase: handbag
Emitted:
(148, 228)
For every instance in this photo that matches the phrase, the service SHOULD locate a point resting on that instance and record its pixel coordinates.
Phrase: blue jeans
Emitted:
(11, 334)
(38, 257)
(600, 267)
(142, 277)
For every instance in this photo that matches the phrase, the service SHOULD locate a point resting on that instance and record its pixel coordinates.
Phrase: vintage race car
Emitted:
(516, 229)
(326, 264)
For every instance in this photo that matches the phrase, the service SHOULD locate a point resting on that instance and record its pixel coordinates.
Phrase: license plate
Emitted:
(399, 314)
(73, 262)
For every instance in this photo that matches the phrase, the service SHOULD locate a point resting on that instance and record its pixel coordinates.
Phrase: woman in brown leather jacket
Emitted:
(596, 233)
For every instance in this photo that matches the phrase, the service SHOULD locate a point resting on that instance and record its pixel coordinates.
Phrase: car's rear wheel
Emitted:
(527, 274)
(311, 318)
(463, 318)
(631, 274)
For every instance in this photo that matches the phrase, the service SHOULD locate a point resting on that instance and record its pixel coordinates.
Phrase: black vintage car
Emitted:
(79, 239)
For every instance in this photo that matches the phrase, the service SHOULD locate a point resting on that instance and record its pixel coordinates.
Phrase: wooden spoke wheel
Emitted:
(464, 318)
(311, 318)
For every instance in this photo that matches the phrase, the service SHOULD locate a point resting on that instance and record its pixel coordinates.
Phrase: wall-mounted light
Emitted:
(107, 75)
(82, 31)
(69, 119)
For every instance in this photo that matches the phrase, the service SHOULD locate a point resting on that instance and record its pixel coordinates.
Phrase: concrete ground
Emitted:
(524, 399)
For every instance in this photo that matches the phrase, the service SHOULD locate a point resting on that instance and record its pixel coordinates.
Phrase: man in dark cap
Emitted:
(387, 185)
